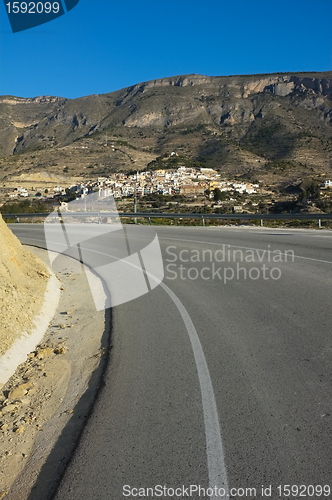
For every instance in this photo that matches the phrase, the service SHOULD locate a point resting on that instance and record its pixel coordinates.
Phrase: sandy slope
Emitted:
(23, 281)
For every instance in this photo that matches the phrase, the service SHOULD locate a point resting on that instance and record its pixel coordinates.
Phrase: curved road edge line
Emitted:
(214, 448)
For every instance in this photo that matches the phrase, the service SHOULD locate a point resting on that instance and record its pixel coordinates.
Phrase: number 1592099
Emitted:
(294, 490)
(32, 7)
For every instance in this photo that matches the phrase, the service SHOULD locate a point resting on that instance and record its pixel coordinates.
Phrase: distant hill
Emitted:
(252, 125)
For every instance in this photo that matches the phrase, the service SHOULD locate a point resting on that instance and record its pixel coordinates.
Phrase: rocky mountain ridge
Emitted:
(278, 84)
(229, 122)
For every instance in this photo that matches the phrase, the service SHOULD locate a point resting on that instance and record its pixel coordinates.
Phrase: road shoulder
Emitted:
(44, 406)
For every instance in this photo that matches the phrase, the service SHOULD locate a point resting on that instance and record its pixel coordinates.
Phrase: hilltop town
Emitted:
(199, 184)
(191, 189)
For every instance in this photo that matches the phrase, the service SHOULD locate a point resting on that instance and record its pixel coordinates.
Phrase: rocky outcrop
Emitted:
(176, 81)
(279, 85)
(20, 100)
(284, 85)
(233, 94)
(321, 86)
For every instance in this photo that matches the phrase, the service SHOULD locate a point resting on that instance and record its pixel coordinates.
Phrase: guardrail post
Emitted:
(319, 223)
(261, 222)
(203, 221)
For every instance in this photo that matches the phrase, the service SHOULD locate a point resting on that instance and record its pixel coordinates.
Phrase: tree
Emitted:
(219, 195)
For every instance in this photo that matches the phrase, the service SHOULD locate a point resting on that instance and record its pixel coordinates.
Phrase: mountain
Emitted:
(253, 125)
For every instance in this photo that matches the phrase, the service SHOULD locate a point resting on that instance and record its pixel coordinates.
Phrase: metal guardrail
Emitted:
(159, 215)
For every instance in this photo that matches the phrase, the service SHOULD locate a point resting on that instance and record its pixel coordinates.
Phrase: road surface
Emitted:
(244, 338)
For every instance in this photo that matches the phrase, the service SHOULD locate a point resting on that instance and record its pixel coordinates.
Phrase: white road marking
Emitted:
(214, 448)
(238, 246)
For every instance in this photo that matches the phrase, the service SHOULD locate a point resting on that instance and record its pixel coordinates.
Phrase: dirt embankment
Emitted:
(23, 281)
(44, 405)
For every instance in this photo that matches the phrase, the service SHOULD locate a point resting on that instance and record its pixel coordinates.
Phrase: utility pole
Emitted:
(135, 202)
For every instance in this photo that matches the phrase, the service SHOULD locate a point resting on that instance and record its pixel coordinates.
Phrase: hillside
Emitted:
(273, 128)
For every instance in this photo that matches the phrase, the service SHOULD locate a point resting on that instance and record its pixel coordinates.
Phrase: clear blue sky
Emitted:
(104, 45)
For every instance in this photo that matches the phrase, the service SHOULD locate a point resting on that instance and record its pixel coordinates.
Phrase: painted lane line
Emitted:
(241, 247)
(214, 448)
(220, 244)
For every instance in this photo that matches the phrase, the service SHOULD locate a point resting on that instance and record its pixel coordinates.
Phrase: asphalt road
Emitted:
(223, 337)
